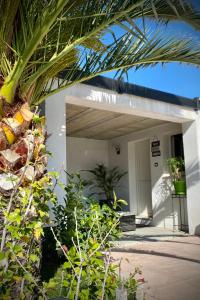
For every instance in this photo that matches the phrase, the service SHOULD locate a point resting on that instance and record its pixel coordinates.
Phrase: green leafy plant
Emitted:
(105, 181)
(24, 217)
(89, 271)
(83, 272)
(177, 168)
(132, 283)
(83, 276)
(64, 212)
(87, 210)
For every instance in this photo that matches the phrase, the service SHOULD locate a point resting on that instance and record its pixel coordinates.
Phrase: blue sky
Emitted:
(179, 79)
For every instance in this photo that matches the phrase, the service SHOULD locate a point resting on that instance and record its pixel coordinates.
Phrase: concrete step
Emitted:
(127, 222)
(143, 221)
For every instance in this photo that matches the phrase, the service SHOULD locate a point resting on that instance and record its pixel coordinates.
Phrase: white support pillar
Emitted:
(132, 178)
(191, 140)
(56, 143)
(158, 198)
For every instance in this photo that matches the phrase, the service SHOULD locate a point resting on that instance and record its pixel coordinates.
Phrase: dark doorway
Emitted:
(177, 146)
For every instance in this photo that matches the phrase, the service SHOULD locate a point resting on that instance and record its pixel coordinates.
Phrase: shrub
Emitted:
(104, 182)
(88, 271)
(24, 217)
(87, 211)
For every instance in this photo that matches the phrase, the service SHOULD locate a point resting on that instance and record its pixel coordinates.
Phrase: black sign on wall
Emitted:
(155, 148)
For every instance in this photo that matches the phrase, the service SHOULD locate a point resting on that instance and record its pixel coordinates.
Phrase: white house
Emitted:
(87, 122)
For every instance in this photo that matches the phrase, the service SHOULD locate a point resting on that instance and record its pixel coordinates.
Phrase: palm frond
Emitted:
(41, 38)
(171, 10)
(125, 53)
(35, 19)
(8, 11)
(87, 29)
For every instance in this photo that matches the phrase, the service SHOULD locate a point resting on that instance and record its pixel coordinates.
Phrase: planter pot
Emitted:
(180, 187)
(127, 222)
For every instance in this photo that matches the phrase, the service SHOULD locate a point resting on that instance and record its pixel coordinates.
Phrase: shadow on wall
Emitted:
(193, 178)
(193, 174)
(162, 210)
(163, 207)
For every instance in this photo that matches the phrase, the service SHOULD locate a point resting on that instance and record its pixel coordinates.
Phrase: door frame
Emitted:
(133, 205)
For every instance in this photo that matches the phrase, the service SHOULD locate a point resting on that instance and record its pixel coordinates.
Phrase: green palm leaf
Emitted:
(128, 52)
(40, 39)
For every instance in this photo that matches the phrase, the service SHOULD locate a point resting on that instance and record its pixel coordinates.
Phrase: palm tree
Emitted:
(40, 39)
(49, 45)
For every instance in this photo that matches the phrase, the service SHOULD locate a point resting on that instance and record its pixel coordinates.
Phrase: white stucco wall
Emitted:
(56, 143)
(84, 154)
(191, 141)
(121, 161)
(99, 98)
(161, 185)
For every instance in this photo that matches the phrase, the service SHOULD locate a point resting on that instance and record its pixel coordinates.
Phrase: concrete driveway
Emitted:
(169, 261)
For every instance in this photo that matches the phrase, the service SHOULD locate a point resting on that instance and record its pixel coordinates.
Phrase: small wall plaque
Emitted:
(155, 148)
(156, 153)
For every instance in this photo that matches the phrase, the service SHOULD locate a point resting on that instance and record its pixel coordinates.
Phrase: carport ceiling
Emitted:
(98, 124)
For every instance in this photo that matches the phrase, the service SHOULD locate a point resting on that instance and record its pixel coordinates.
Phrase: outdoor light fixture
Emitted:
(117, 148)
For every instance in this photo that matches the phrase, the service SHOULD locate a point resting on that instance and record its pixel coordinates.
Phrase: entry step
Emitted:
(127, 221)
(143, 221)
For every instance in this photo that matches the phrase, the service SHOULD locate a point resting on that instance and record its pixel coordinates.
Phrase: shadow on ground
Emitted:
(157, 238)
(140, 251)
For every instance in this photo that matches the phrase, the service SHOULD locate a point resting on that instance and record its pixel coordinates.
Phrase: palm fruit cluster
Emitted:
(22, 150)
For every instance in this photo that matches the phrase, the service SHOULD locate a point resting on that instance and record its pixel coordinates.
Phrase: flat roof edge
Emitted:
(132, 89)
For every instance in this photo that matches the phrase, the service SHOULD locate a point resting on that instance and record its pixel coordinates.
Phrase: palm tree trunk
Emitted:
(18, 146)
(22, 165)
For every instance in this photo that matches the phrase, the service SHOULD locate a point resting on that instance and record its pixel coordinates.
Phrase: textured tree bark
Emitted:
(19, 148)
(23, 162)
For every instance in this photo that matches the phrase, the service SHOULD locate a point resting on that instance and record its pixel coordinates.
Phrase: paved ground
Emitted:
(170, 262)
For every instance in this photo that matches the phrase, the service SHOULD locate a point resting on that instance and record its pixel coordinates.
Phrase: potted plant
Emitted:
(105, 182)
(177, 171)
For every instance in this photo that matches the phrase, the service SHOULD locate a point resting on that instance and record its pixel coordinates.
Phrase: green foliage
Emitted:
(105, 181)
(89, 213)
(177, 168)
(132, 283)
(64, 213)
(21, 235)
(100, 221)
(88, 271)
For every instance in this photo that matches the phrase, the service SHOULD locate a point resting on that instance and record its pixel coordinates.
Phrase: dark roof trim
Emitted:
(137, 90)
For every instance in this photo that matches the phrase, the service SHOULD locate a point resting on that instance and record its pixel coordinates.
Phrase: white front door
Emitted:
(143, 179)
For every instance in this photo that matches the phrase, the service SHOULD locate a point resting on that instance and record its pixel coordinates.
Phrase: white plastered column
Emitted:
(191, 140)
(55, 111)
